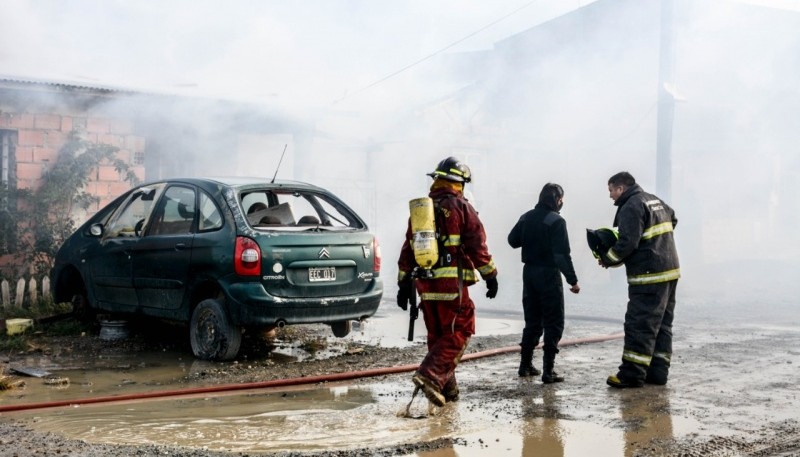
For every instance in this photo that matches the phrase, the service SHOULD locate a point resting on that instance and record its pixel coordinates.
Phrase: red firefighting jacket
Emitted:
(462, 241)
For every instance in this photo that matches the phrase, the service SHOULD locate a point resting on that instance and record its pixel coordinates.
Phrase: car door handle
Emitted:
(180, 246)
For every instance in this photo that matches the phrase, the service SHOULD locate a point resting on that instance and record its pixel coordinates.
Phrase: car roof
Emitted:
(239, 182)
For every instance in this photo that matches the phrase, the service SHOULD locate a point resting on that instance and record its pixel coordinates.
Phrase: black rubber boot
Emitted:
(550, 376)
(450, 390)
(526, 367)
(657, 372)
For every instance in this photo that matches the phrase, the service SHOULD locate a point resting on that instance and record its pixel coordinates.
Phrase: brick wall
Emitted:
(42, 135)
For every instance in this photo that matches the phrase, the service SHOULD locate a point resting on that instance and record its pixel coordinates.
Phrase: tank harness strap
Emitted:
(445, 259)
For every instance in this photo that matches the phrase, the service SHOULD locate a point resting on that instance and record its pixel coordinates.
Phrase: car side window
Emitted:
(175, 212)
(210, 215)
(132, 218)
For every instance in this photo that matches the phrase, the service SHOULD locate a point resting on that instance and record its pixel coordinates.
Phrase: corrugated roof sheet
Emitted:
(65, 85)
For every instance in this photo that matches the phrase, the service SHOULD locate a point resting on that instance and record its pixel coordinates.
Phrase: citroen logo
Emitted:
(323, 253)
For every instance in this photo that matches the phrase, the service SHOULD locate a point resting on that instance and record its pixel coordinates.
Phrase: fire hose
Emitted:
(333, 377)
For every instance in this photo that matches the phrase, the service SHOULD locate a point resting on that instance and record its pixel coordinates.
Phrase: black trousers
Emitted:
(648, 330)
(543, 305)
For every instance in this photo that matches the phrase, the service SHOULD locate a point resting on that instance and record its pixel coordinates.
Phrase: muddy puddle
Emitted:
(302, 418)
(498, 414)
(336, 418)
(339, 416)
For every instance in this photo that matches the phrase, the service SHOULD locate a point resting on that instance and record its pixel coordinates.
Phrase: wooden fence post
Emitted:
(46, 288)
(20, 295)
(6, 293)
(33, 293)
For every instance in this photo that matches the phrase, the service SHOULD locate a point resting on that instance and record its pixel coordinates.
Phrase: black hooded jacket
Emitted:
(542, 234)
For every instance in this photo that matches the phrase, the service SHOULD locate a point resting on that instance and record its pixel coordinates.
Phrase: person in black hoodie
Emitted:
(542, 235)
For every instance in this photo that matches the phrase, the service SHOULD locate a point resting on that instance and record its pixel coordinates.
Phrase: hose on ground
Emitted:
(332, 377)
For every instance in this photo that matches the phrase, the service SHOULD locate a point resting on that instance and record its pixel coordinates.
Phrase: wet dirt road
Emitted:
(731, 392)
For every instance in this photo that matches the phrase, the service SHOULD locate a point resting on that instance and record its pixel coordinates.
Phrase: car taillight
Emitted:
(247, 257)
(376, 258)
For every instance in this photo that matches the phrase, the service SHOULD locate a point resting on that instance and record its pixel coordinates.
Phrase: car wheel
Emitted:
(212, 335)
(341, 328)
(81, 308)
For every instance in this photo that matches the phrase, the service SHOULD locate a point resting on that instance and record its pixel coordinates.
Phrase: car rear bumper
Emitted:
(251, 305)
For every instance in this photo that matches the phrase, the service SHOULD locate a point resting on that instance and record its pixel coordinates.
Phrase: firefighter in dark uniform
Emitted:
(447, 309)
(542, 234)
(647, 248)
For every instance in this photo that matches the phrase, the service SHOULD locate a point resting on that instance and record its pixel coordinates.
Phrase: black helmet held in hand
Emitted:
(600, 241)
(452, 169)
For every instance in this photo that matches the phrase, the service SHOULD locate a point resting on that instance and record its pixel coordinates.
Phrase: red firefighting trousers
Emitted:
(449, 325)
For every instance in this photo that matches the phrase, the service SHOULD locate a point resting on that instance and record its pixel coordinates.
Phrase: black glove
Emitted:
(491, 287)
(404, 294)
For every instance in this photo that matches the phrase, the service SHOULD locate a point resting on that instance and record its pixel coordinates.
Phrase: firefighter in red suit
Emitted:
(447, 309)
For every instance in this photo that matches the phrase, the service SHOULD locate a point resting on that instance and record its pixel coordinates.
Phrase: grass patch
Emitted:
(44, 308)
(67, 326)
(14, 343)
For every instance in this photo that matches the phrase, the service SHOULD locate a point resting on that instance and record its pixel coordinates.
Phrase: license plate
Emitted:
(317, 274)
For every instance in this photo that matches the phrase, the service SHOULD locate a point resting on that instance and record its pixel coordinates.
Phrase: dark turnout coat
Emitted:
(646, 244)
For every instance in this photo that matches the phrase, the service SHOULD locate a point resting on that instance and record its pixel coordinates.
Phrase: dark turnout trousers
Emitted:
(648, 332)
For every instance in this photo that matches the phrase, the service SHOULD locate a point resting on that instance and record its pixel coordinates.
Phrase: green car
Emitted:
(223, 255)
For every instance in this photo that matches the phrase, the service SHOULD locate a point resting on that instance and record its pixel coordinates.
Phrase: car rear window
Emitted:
(297, 210)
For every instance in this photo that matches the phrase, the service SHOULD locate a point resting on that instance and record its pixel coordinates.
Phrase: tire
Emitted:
(211, 333)
(341, 328)
(81, 308)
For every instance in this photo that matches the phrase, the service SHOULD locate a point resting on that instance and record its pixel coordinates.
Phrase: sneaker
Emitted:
(432, 393)
(530, 370)
(621, 383)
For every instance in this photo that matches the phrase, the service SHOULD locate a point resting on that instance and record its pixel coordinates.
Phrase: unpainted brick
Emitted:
(123, 155)
(30, 138)
(135, 143)
(138, 170)
(115, 189)
(24, 154)
(111, 140)
(97, 125)
(66, 124)
(79, 124)
(121, 126)
(55, 139)
(91, 187)
(47, 122)
(107, 173)
(17, 121)
(45, 154)
(105, 201)
(28, 172)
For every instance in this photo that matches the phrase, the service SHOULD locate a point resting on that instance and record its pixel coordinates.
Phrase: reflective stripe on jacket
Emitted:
(646, 243)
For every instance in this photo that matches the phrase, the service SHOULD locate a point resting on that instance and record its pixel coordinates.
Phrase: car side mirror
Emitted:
(96, 230)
